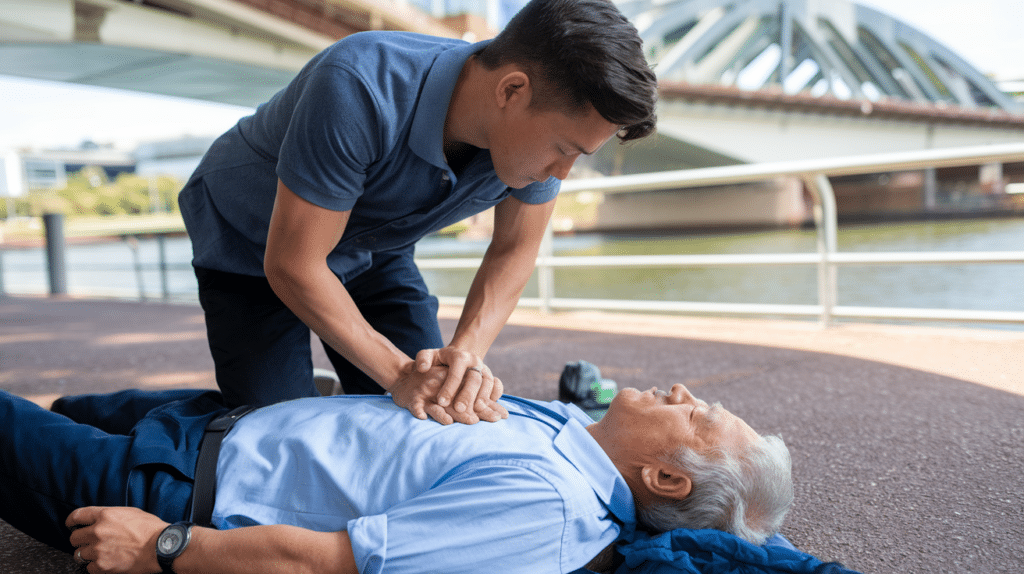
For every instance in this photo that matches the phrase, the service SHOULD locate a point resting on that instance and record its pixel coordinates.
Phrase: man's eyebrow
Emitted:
(580, 149)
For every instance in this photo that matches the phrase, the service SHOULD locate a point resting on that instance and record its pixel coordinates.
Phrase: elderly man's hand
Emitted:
(418, 390)
(115, 540)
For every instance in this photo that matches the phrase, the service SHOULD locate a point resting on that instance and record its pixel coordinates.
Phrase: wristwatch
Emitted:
(171, 543)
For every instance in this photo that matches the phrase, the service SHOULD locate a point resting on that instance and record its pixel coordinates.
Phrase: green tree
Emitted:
(89, 192)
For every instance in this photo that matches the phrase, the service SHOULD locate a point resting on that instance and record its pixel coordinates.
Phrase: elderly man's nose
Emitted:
(680, 390)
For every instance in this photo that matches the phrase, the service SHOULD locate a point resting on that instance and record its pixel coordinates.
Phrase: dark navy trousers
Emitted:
(132, 448)
(261, 350)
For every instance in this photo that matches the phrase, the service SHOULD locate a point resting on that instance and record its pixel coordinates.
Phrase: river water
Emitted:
(107, 269)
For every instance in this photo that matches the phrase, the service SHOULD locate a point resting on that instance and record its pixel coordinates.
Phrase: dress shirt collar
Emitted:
(579, 448)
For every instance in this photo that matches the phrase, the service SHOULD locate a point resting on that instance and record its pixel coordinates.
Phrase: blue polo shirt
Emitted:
(359, 128)
(531, 494)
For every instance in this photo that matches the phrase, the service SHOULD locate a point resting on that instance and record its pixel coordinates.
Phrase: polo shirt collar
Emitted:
(427, 131)
(580, 449)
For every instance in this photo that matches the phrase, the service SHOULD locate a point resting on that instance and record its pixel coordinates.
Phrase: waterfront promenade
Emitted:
(907, 442)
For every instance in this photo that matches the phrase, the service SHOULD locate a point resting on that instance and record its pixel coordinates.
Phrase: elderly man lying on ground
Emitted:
(347, 483)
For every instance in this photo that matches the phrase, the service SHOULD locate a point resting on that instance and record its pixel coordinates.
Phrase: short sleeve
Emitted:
(496, 518)
(333, 135)
(540, 192)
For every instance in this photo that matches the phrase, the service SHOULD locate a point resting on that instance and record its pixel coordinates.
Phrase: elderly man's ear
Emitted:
(666, 481)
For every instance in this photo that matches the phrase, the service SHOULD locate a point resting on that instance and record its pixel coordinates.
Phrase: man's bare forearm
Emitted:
(318, 298)
(300, 237)
(267, 550)
(506, 268)
(122, 540)
(492, 297)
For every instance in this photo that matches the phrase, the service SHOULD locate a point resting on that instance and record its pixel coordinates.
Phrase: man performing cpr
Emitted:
(305, 215)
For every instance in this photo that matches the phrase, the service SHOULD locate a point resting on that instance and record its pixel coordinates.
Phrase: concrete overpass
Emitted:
(230, 51)
(707, 125)
(712, 125)
(774, 80)
(750, 81)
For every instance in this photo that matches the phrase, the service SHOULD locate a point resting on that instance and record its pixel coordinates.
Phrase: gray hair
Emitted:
(746, 493)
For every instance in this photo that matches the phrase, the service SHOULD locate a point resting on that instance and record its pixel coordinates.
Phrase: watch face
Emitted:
(171, 540)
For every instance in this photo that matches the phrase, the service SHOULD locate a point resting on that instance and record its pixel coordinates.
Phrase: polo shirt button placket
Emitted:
(445, 186)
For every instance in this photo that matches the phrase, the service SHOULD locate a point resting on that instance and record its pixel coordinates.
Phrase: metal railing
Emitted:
(815, 174)
(826, 258)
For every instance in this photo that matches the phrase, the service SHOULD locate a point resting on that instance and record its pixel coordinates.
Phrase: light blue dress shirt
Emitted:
(532, 493)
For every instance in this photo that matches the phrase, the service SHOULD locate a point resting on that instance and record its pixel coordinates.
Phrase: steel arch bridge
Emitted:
(814, 47)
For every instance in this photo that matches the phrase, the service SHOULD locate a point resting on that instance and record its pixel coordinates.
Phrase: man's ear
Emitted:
(513, 87)
(666, 481)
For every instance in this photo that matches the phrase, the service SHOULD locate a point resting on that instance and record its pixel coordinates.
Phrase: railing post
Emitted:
(133, 244)
(826, 221)
(161, 242)
(545, 273)
(831, 217)
(56, 253)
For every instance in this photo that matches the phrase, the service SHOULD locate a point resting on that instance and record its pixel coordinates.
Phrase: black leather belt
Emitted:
(204, 493)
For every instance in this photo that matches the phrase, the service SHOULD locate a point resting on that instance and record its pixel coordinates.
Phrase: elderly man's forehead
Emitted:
(733, 430)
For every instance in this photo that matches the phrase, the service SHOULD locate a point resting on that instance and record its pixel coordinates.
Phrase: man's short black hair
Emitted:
(578, 52)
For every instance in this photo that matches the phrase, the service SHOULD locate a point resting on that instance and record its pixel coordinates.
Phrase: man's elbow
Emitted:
(274, 270)
(282, 274)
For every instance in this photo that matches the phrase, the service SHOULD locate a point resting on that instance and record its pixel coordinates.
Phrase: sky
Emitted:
(52, 114)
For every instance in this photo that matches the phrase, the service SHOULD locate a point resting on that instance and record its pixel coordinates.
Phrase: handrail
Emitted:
(727, 260)
(814, 173)
(734, 260)
(829, 167)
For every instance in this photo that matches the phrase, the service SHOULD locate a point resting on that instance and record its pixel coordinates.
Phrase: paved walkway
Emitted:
(907, 442)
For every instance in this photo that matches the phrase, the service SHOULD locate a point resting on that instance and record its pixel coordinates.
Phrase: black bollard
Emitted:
(165, 290)
(56, 265)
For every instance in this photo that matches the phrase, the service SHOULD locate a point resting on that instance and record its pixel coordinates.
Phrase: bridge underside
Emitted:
(229, 51)
(169, 74)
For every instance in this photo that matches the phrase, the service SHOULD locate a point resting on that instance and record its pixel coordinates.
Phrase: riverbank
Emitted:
(28, 232)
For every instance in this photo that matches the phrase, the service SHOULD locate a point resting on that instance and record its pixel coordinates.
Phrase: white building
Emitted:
(24, 170)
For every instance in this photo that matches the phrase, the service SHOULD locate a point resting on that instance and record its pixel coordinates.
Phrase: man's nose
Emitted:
(561, 167)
